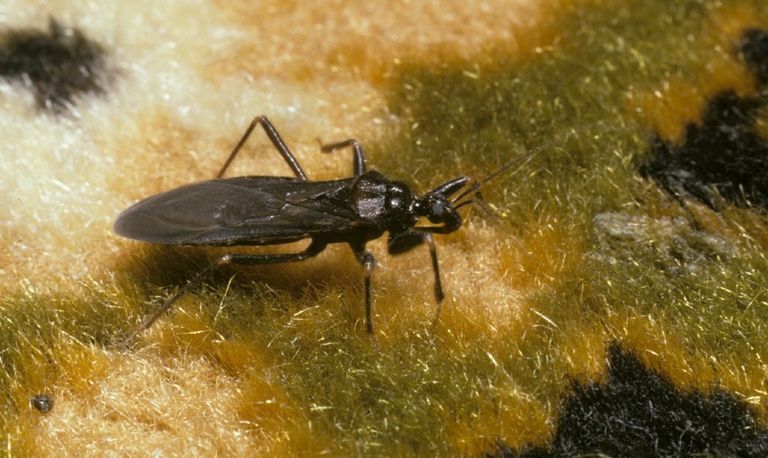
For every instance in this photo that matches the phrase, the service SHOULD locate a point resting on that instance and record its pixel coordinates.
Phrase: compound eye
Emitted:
(438, 208)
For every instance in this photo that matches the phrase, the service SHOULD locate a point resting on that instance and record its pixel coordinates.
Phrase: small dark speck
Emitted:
(57, 65)
(42, 402)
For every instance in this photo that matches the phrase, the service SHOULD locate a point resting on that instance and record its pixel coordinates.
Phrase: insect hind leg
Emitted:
(241, 259)
(256, 259)
(276, 140)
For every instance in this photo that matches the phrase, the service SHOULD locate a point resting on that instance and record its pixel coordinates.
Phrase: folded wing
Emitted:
(240, 211)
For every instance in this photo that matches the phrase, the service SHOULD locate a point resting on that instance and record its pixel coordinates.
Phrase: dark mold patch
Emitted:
(57, 66)
(724, 157)
(638, 412)
(754, 49)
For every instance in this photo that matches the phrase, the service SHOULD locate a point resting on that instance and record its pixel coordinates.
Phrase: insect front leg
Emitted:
(408, 240)
(358, 161)
(242, 259)
(276, 140)
(368, 262)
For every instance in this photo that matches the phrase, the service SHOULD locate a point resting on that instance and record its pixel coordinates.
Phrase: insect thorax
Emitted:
(383, 203)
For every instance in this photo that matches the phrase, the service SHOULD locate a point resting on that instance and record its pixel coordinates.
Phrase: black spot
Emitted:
(42, 402)
(57, 66)
(638, 412)
(723, 157)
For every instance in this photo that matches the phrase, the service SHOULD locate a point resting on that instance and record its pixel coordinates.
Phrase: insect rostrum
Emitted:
(267, 210)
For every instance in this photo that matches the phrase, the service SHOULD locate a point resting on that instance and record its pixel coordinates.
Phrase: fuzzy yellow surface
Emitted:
(274, 360)
(189, 77)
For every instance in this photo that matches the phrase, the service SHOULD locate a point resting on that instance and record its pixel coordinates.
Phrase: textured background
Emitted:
(618, 305)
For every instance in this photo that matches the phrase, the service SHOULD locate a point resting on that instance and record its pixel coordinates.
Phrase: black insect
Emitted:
(267, 210)
(42, 402)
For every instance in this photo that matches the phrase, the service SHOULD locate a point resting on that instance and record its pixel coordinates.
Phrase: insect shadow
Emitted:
(152, 268)
(271, 210)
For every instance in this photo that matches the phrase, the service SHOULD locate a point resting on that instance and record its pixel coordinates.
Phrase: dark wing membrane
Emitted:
(240, 211)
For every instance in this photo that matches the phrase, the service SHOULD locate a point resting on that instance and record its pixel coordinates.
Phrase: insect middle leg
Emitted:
(242, 259)
(276, 140)
(368, 262)
(358, 161)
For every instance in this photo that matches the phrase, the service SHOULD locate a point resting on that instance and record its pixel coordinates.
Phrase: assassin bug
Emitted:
(268, 210)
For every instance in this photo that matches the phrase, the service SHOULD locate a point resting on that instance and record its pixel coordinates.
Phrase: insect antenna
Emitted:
(517, 162)
(487, 210)
(466, 202)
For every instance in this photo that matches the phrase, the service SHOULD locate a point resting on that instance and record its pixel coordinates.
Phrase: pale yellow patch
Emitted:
(146, 405)
(366, 40)
(475, 300)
